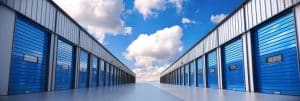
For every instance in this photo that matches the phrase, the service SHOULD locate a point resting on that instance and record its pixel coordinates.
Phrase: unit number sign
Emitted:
(274, 59)
(30, 58)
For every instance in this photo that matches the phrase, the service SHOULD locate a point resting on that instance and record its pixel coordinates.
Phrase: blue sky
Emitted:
(141, 21)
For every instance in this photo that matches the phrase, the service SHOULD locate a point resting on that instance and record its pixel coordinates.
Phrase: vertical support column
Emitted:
(250, 61)
(7, 26)
(77, 66)
(297, 18)
(52, 62)
(204, 71)
(219, 64)
(246, 64)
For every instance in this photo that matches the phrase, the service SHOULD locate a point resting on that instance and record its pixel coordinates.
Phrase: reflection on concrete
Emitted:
(208, 94)
(148, 92)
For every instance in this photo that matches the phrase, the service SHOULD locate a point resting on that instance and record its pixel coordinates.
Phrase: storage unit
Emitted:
(211, 71)
(102, 73)
(186, 74)
(233, 66)
(107, 74)
(199, 70)
(83, 81)
(29, 67)
(192, 74)
(276, 62)
(95, 72)
(178, 77)
(112, 75)
(182, 75)
(65, 66)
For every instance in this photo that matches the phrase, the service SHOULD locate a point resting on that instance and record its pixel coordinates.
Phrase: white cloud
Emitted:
(217, 18)
(98, 16)
(152, 7)
(150, 74)
(187, 21)
(161, 46)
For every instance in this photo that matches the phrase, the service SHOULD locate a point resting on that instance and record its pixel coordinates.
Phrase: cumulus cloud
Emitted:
(187, 21)
(217, 18)
(152, 7)
(98, 16)
(150, 74)
(161, 46)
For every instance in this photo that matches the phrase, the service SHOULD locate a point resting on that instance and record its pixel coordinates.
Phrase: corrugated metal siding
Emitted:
(66, 28)
(96, 49)
(86, 42)
(277, 38)
(65, 64)
(210, 41)
(40, 11)
(29, 69)
(258, 11)
(199, 50)
(233, 79)
(233, 27)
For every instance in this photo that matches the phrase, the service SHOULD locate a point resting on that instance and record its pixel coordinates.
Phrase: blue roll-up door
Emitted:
(186, 74)
(211, 71)
(65, 64)
(199, 72)
(102, 73)
(107, 74)
(84, 70)
(182, 75)
(112, 75)
(233, 67)
(276, 62)
(192, 74)
(29, 67)
(178, 76)
(95, 73)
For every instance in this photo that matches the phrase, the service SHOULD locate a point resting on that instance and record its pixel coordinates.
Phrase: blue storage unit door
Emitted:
(112, 75)
(276, 65)
(233, 67)
(83, 81)
(65, 64)
(107, 74)
(199, 66)
(29, 67)
(211, 71)
(186, 74)
(179, 77)
(192, 74)
(102, 73)
(95, 73)
(182, 75)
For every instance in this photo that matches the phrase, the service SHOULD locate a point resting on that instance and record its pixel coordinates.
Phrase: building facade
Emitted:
(254, 49)
(44, 49)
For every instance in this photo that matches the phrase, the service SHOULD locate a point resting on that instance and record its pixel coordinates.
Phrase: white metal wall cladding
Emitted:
(210, 41)
(258, 11)
(96, 48)
(66, 28)
(40, 11)
(86, 42)
(233, 27)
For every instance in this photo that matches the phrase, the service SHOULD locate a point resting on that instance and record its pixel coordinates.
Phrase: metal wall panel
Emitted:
(33, 9)
(210, 41)
(233, 27)
(86, 42)
(66, 28)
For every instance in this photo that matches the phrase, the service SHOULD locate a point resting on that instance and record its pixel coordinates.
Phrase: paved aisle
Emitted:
(148, 92)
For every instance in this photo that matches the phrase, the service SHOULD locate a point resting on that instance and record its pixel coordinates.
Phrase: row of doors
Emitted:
(275, 59)
(30, 56)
